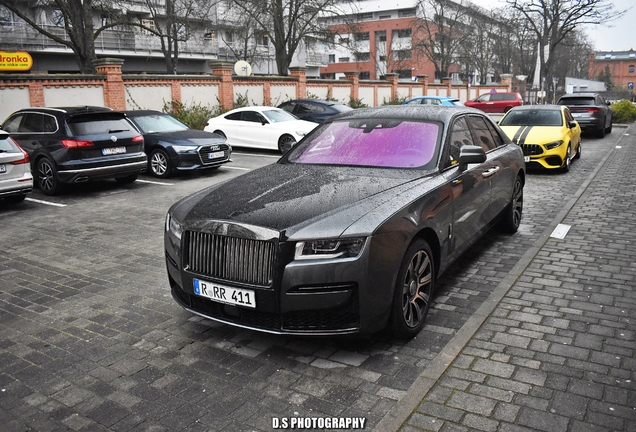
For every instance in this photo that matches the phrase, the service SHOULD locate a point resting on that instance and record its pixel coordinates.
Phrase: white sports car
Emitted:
(261, 127)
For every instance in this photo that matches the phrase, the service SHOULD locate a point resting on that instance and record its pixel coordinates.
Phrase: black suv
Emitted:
(77, 144)
(590, 110)
(314, 110)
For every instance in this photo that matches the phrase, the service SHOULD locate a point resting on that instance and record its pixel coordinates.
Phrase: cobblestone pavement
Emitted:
(90, 338)
(557, 353)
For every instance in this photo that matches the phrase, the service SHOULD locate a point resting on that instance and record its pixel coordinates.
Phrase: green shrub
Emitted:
(195, 116)
(394, 101)
(357, 103)
(623, 111)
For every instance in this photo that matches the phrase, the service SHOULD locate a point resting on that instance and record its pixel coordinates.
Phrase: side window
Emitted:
(459, 137)
(233, 116)
(483, 136)
(289, 107)
(13, 124)
(484, 98)
(568, 116)
(498, 140)
(303, 108)
(251, 116)
(38, 123)
(435, 102)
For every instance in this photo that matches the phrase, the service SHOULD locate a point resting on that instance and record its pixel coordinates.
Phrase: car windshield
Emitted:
(276, 116)
(158, 123)
(371, 142)
(532, 118)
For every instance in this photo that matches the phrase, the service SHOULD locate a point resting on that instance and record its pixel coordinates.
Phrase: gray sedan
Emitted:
(348, 231)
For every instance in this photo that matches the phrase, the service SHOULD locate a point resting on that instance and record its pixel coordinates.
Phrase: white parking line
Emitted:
(238, 168)
(45, 202)
(259, 155)
(155, 182)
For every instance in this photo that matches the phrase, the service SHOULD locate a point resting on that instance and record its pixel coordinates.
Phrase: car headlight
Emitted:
(184, 149)
(173, 227)
(329, 249)
(552, 145)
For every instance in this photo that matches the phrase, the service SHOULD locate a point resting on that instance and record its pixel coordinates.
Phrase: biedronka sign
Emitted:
(15, 61)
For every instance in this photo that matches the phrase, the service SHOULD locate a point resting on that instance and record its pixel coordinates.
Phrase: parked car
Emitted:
(548, 134)
(349, 230)
(260, 127)
(172, 146)
(590, 110)
(496, 102)
(16, 180)
(314, 110)
(434, 100)
(77, 144)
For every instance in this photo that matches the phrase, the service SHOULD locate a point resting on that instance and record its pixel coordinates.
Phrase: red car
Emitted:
(499, 102)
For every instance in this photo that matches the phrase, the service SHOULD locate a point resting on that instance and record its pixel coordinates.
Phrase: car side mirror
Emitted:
(572, 124)
(470, 154)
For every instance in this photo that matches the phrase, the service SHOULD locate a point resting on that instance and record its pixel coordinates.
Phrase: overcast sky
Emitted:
(620, 37)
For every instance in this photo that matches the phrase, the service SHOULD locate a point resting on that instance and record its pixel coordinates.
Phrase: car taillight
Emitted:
(24, 160)
(593, 110)
(77, 143)
(138, 138)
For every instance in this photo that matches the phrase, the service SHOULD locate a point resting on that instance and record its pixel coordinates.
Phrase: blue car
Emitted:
(434, 100)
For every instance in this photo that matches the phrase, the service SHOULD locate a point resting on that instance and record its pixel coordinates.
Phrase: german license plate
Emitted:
(113, 150)
(216, 155)
(3, 168)
(224, 294)
(526, 158)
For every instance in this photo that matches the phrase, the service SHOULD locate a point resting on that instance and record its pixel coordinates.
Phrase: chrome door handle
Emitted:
(490, 172)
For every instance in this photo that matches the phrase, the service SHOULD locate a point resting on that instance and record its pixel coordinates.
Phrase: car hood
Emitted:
(186, 137)
(297, 200)
(533, 134)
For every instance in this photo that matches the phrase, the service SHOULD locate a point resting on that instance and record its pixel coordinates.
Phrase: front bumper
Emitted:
(539, 157)
(312, 297)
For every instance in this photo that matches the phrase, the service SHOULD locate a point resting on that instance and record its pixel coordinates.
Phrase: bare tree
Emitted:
(287, 23)
(76, 18)
(478, 45)
(553, 20)
(441, 28)
(174, 22)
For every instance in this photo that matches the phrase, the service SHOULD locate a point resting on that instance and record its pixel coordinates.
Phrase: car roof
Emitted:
(435, 97)
(409, 112)
(572, 95)
(68, 110)
(317, 101)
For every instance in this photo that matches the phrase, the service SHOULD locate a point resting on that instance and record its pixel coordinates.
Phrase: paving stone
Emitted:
(472, 403)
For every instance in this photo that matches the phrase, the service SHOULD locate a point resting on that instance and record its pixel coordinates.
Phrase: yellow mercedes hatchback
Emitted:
(548, 134)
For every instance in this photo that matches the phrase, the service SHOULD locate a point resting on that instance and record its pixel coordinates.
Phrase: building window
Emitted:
(148, 26)
(229, 36)
(332, 58)
(382, 58)
(343, 60)
(406, 13)
(262, 39)
(630, 69)
(363, 57)
(365, 75)
(57, 18)
(404, 33)
(210, 35)
(403, 73)
(361, 36)
(365, 16)
(402, 55)
(381, 36)
(384, 17)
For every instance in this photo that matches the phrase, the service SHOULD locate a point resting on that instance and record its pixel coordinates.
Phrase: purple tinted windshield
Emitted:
(387, 143)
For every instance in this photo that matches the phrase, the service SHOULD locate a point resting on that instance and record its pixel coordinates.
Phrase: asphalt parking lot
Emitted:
(90, 338)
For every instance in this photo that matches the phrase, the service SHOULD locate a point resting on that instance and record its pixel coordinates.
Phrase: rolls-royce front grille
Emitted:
(531, 149)
(230, 258)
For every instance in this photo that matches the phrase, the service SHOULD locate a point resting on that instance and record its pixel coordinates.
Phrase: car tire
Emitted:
(285, 143)
(609, 129)
(511, 218)
(14, 199)
(601, 132)
(413, 291)
(127, 180)
(578, 151)
(568, 159)
(47, 179)
(159, 163)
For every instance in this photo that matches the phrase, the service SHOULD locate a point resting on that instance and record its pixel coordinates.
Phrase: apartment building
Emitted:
(622, 66)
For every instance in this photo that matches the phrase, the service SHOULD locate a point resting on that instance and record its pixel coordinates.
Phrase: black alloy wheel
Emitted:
(413, 290)
(159, 163)
(47, 177)
(285, 143)
(511, 218)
